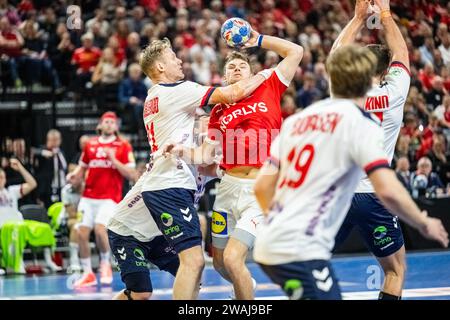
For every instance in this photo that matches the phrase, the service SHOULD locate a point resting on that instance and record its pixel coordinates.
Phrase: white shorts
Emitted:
(236, 212)
(96, 211)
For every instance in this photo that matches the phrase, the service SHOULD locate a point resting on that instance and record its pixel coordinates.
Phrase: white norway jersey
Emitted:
(132, 217)
(321, 153)
(169, 115)
(387, 103)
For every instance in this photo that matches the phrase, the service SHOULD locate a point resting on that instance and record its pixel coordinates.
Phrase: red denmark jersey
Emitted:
(103, 180)
(246, 129)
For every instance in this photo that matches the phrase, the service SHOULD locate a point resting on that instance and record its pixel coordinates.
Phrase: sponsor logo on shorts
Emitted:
(380, 239)
(219, 223)
(166, 219)
(294, 289)
(141, 257)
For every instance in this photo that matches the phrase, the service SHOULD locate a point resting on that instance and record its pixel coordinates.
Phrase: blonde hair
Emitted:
(351, 69)
(150, 54)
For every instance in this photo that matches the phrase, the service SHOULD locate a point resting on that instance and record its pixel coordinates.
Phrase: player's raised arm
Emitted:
(291, 53)
(394, 37)
(351, 30)
(239, 90)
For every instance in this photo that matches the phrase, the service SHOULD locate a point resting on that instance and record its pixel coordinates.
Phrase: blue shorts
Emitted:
(379, 229)
(176, 217)
(305, 280)
(134, 258)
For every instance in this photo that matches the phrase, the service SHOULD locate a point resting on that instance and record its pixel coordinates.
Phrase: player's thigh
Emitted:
(379, 229)
(132, 261)
(223, 221)
(313, 280)
(247, 226)
(176, 217)
(105, 211)
(162, 255)
(88, 208)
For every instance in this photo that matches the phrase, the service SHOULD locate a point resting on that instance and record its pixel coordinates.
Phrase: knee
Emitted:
(195, 263)
(83, 235)
(141, 295)
(233, 262)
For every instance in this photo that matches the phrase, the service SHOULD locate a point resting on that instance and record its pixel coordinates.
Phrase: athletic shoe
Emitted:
(86, 280)
(74, 268)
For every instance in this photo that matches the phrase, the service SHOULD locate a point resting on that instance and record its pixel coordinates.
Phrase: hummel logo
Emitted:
(186, 215)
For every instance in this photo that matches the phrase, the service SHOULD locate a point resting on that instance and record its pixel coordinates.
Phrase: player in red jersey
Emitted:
(245, 131)
(105, 162)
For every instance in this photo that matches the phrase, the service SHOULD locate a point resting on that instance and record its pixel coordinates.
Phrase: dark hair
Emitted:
(383, 55)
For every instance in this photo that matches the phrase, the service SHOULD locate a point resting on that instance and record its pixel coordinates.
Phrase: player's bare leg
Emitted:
(234, 258)
(394, 267)
(187, 280)
(134, 295)
(88, 278)
(101, 237)
(219, 265)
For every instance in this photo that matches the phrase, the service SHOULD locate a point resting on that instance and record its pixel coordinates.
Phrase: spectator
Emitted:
(34, 57)
(424, 181)
(9, 210)
(437, 154)
(85, 59)
(60, 49)
(133, 48)
(137, 21)
(132, 93)
(308, 93)
(106, 77)
(99, 22)
(403, 173)
(444, 48)
(435, 95)
(288, 106)
(11, 43)
(51, 168)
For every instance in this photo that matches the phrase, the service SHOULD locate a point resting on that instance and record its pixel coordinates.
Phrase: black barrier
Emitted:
(438, 208)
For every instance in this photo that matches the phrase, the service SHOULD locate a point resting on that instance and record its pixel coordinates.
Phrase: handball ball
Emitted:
(236, 32)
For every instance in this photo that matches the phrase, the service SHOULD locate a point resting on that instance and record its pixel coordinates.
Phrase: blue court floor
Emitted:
(428, 277)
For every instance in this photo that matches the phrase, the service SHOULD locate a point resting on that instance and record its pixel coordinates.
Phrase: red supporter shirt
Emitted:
(86, 58)
(246, 129)
(12, 52)
(103, 180)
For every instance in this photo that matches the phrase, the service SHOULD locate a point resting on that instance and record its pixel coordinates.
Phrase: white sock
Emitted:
(86, 265)
(74, 260)
(105, 257)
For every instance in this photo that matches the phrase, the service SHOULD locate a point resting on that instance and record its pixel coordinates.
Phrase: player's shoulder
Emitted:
(217, 110)
(93, 141)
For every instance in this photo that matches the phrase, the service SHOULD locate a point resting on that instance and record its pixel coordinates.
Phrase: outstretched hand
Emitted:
(253, 41)
(383, 4)
(362, 8)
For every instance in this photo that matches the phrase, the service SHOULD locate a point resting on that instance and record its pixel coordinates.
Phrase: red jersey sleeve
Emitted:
(84, 158)
(277, 83)
(127, 156)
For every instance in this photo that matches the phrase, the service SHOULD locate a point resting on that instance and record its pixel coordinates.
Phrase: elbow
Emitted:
(33, 184)
(387, 197)
(297, 52)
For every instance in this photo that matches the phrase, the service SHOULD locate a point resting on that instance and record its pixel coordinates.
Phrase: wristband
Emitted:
(260, 39)
(385, 13)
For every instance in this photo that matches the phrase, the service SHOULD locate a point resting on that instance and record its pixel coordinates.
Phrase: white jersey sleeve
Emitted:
(398, 81)
(368, 152)
(16, 191)
(193, 95)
